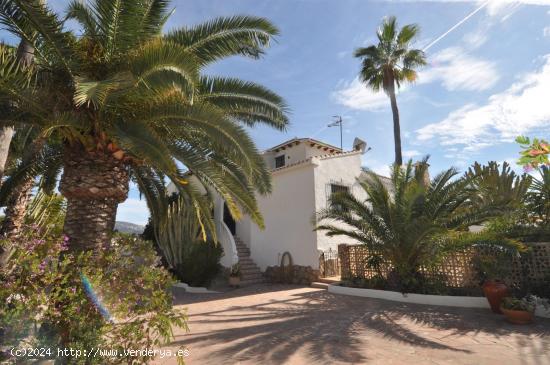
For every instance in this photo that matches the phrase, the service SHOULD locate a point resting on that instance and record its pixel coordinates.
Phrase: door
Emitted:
(228, 220)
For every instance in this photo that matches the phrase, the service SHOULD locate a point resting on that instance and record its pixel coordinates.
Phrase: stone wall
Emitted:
(294, 274)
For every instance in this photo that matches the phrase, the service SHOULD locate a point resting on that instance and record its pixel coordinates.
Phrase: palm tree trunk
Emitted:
(16, 209)
(94, 183)
(396, 127)
(6, 134)
(21, 196)
(25, 55)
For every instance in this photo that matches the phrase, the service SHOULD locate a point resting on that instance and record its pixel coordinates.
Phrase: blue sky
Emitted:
(487, 81)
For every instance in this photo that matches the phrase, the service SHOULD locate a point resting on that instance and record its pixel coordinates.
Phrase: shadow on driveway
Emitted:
(289, 324)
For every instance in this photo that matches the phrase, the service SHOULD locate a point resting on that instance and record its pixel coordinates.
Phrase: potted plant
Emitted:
(235, 275)
(521, 311)
(491, 268)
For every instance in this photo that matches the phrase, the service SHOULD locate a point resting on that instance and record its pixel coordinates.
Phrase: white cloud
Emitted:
(133, 211)
(343, 54)
(378, 167)
(546, 31)
(356, 95)
(457, 70)
(521, 109)
(476, 39)
(411, 153)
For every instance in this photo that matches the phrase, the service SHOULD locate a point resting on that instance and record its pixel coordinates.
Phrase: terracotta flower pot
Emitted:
(495, 291)
(518, 317)
(234, 280)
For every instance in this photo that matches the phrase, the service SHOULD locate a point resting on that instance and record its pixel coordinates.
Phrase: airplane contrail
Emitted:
(455, 26)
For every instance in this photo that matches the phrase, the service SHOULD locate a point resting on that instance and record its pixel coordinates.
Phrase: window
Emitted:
(335, 188)
(279, 161)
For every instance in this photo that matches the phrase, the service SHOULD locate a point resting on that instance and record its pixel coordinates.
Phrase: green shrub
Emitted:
(202, 264)
(117, 298)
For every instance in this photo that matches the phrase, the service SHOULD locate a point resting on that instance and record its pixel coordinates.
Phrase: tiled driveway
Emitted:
(277, 324)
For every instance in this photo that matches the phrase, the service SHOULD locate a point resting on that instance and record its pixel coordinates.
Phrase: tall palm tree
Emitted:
(127, 101)
(389, 64)
(407, 224)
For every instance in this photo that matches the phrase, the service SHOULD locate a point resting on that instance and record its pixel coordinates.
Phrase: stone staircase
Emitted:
(250, 272)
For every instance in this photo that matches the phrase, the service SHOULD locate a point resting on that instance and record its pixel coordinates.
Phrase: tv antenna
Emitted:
(338, 122)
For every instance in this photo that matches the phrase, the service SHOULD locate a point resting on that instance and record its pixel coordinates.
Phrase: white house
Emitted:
(305, 172)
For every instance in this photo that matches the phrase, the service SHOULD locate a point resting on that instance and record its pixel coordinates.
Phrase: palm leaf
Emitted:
(225, 37)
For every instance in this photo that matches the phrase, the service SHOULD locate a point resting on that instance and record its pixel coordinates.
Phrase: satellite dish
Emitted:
(360, 145)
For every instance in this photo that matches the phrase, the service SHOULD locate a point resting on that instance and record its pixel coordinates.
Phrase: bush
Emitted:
(201, 265)
(117, 298)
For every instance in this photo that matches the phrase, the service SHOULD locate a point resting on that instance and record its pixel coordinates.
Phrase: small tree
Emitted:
(411, 224)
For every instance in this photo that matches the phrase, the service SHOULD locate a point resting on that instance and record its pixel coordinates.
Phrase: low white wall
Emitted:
(443, 300)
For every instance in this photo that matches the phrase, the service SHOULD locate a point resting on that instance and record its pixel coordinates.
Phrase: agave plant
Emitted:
(410, 224)
(127, 101)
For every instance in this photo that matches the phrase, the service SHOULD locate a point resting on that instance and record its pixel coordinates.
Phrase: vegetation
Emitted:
(125, 305)
(496, 187)
(534, 153)
(538, 198)
(125, 101)
(413, 224)
(115, 102)
(391, 63)
(193, 258)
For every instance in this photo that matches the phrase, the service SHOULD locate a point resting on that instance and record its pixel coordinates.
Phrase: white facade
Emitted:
(300, 188)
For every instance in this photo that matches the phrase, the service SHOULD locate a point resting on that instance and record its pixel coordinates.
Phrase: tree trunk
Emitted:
(19, 199)
(25, 55)
(94, 183)
(16, 209)
(396, 127)
(6, 134)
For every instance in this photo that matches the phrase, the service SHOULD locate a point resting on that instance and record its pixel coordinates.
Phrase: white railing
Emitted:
(226, 239)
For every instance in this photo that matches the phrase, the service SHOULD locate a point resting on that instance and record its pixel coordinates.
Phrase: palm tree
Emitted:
(498, 186)
(127, 102)
(30, 158)
(389, 64)
(24, 54)
(538, 198)
(408, 224)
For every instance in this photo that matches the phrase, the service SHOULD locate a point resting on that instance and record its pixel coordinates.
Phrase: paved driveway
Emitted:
(280, 324)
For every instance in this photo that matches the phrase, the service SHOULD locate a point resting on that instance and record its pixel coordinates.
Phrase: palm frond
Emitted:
(140, 140)
(35, 16)
(246, 101)
(225, 37)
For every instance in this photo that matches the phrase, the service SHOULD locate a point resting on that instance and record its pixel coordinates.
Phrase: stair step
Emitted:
(329, 281)
(247, 263)
(250, 282)
(251, 277)
(251, 272)
(319, 285)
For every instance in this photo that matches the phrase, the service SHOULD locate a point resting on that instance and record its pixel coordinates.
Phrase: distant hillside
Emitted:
(127, 227)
